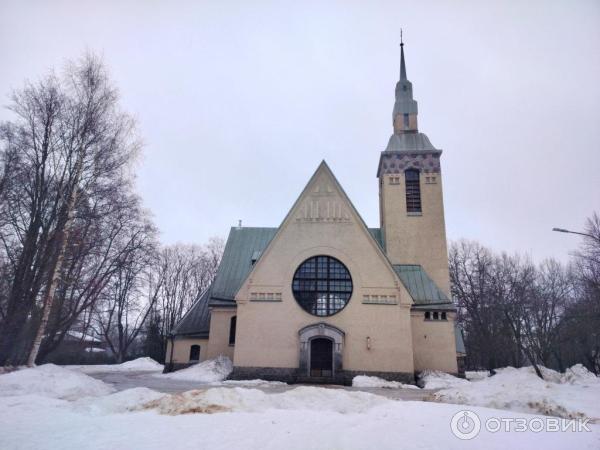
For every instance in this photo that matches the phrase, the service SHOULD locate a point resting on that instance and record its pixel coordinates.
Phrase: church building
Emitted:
(323, 298)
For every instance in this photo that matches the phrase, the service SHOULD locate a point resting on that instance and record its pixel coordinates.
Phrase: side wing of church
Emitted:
(323, 298)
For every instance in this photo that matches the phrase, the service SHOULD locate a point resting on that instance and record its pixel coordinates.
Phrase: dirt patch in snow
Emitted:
(128, 400)
(214, 400)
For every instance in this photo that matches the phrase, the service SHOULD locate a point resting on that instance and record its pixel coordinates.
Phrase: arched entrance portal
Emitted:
(321, 357)
(321, 349)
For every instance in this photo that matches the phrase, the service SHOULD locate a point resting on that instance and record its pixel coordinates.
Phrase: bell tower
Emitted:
(411, 206)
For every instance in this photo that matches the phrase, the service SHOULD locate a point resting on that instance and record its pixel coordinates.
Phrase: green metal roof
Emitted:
(196, 321)
(242, 245)
(378, 236)
(421, 288)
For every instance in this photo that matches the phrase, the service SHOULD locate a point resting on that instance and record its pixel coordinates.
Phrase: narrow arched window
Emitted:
(427, 315)
(194, 353)
(413, 191)
(436, 316)
(232, 324)
(444, 316)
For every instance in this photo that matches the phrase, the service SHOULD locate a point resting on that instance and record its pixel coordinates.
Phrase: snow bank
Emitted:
(364, 381)
(120, 402)
(473, 375)
(209, 371)
(253, 400)
(141, 364)
(572, 395)
(579, 375)
(137, 365)
(257, 382)
(434, 379)
(52, 381)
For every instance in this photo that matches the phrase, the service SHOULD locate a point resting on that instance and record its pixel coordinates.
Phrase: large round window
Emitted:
(322, 285)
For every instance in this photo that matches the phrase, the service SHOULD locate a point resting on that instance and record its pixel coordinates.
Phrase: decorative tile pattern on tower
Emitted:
(398, 162)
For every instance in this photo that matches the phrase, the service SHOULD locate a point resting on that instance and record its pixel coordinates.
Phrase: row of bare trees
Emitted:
(77, 249)
(146, 298)
(514, 312)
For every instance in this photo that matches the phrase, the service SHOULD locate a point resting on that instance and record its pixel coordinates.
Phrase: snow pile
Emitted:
(473, 375)
(52, 381)
(257, 382)
(579, 375)
(521, 390)
(141, 364)
(253, 400)
(209, 371)
(364, 381)
(137, 365)
(434, 379)
(120, 402)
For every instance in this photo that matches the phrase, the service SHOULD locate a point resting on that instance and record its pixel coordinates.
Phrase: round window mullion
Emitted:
(327, 286)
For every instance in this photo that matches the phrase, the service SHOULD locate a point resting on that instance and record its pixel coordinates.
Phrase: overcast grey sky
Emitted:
(238, 102)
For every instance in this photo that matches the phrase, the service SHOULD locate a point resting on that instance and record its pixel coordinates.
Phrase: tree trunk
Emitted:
(56, 267)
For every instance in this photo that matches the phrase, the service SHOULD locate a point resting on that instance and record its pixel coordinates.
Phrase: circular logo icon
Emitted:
(465, 425)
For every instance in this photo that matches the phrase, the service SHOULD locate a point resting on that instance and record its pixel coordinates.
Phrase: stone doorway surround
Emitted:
(320, 330)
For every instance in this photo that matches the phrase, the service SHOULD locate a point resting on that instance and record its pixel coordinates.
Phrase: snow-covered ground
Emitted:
(76, 411)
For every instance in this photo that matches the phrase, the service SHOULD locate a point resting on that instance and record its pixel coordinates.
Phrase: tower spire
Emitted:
(404, 116)
(402, 63)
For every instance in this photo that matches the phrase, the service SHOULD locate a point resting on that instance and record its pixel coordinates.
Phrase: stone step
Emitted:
(319, 380)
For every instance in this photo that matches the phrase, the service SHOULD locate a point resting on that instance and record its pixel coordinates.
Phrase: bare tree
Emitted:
(581, 328)
(68, 147)
(130, 297)
(552, 293)
(487, 335)
(509, 308)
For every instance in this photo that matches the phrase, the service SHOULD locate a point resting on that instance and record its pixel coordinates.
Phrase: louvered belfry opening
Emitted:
(413, 191)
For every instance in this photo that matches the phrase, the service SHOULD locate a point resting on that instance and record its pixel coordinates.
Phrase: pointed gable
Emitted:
(321, 216)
